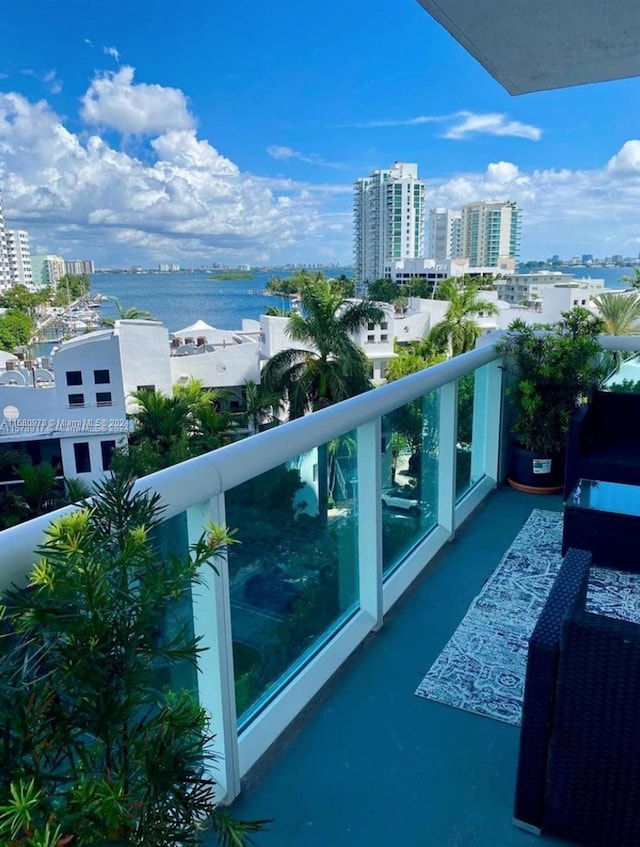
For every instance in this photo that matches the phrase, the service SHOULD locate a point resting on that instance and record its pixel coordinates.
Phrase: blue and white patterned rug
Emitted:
(482, 667)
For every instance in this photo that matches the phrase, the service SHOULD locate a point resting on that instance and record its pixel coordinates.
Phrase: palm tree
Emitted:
(130, 314)
(262, 406)
(332, 368)
(620, 312)
(458, 331)
(633, 281)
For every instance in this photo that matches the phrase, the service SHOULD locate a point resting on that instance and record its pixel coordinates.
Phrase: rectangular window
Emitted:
(101, 377)
(83, 461)
(107, 448)
(384, 337)
(74, 377)
(103, 398)
(371, 338)
(146, 388)
(76, 399)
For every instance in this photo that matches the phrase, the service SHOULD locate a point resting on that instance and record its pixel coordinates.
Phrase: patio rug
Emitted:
(482, 668)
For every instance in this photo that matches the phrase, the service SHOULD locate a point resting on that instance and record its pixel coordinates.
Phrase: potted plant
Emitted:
(103, 740)
(552, 372)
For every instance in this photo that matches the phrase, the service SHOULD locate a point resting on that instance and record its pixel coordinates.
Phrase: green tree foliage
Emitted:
(412, 357)
(262, 406)
(19, 297)
(333, 367)
(93, 749)
(278, 312)
(458, 331)
(620, 312)
(129, 314)
(633, 281)
(550, 372)
(71, 287)
(383, 291)
(168, 430)
(297, 281)
(16, 328)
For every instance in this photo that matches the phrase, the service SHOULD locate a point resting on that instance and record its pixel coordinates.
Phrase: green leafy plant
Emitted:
(552, 371)
(94, 750)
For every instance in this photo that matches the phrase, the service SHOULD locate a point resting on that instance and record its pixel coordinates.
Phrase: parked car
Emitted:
(400, 498)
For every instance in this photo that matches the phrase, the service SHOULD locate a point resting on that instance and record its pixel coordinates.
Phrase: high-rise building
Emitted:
(78, 266)
(491, 234)
(445, 232)
(5, 268)
(47, 270)
(17, 243)
(389, 212)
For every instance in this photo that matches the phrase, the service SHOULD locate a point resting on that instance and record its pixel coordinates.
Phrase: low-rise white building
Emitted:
(74, 414)
(433, 270)
(526, 289)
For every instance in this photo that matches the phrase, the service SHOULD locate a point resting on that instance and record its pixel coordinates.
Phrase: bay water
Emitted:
(180, 299)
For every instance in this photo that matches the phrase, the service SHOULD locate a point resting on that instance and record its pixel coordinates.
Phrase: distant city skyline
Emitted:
(209, 141)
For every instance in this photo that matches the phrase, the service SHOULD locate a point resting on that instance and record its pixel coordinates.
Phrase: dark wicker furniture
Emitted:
(579, 765)
(604, 440)
(604, 518)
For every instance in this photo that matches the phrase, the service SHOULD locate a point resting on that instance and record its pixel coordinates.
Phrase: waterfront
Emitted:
(179, 299)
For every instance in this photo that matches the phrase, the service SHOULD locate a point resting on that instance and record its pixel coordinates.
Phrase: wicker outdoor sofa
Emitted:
(579, 764)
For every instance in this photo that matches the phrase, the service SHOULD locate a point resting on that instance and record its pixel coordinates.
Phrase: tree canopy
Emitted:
(332, 367)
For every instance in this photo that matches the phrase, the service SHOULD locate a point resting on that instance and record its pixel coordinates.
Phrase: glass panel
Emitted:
(294, 576)
(622, 370)
(409, 493)
(172, 539)
(464, 437)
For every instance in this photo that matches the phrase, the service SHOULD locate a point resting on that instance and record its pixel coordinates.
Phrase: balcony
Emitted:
(322, 623)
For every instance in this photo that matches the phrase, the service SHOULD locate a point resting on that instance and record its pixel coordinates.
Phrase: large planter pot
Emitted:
(535, 472)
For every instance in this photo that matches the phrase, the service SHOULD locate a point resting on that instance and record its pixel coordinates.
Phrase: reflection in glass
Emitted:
(172, 539)
(464, 434)
(409, 495)
(294, 575)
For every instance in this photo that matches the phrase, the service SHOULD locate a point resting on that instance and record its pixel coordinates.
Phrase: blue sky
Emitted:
(146, 132)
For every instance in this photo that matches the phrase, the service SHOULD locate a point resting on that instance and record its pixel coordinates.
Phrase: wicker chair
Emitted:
(579, 765)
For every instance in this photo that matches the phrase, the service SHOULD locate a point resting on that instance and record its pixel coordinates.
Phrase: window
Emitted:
(146, 388)
(103, 398)
(101, 377)
(371, 338)
(107, 448)
(83, 461)
(76, 399)
(74, 377)
(384, 325)
(384, 337)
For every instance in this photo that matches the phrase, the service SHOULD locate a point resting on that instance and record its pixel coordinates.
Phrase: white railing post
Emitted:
(487, 417)
(369, 519)
(447, 439)
(212, 625)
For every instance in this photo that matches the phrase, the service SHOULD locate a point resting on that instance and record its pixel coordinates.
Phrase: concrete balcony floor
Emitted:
(369, 763)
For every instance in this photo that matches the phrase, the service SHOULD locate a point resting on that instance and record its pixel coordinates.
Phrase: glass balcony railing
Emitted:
(336, 514)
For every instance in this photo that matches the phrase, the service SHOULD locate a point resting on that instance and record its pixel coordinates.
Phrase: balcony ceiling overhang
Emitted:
(536, 45)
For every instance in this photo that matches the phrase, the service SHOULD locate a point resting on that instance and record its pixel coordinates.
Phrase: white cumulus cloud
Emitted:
(77, 193)
(114, 101)
(627, 160)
